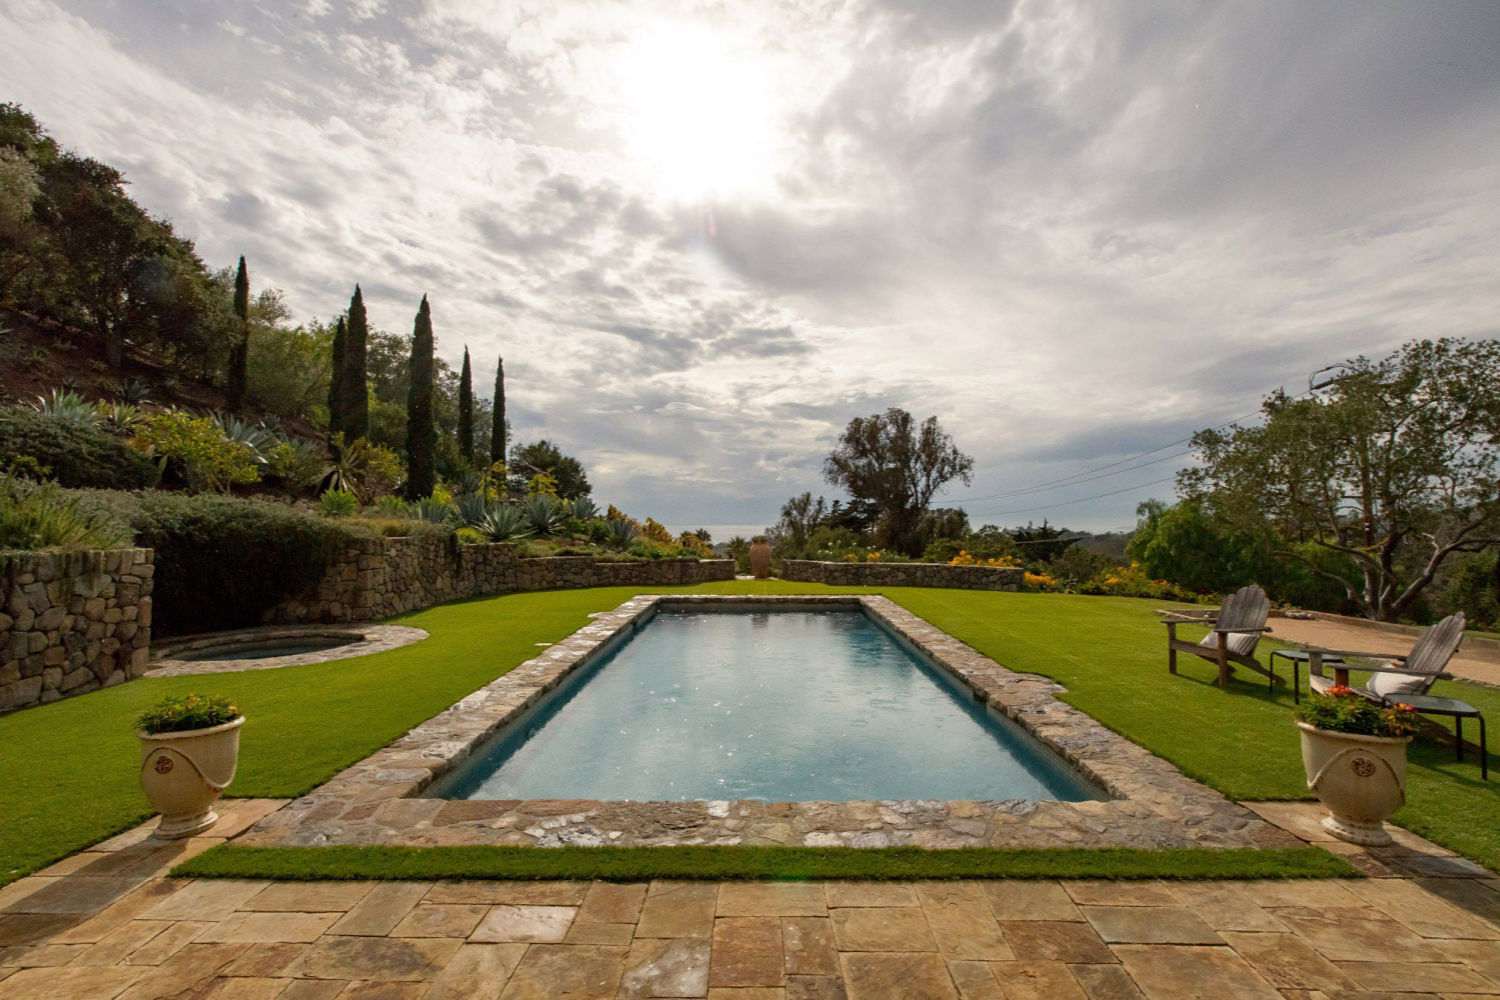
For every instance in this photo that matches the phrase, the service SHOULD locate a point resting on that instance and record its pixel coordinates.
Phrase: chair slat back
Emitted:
(1247, 607)
(1436, 646)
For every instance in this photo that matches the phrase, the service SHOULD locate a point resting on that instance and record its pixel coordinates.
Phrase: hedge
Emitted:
(222, 562)
(74, 454)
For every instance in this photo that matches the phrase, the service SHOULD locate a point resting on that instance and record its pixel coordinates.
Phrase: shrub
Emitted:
(1343, 711)
(338, 503)
(44, 517)
(193, 711)
(75, 454)
(295, 465)
(503, 523)
(66, 406)
(197, 450)
(223, 562)
(544, 514)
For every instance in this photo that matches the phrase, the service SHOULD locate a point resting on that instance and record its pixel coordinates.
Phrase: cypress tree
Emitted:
(239, 354)
(336, 380)
(497, 428)
(355, 392)
(421, 435)
(466, 412)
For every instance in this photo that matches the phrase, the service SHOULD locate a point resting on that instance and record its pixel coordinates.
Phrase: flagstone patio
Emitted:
(106, 923)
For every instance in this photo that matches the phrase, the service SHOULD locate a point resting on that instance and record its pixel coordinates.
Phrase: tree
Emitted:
(498, 429)
(1396, 468)
(239, 353)
(1186, 545)
(889, 461)
(355, 394)
(421, 432)
(466, 412)
(335, 377)
(800, 517)
(543, 456)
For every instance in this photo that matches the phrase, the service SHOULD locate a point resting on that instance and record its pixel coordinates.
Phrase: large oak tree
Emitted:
(1395, 467)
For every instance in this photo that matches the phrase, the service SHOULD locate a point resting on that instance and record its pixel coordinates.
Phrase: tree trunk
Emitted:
(114, 345)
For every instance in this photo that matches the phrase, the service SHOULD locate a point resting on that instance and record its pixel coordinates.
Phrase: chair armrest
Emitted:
(1351, 652)
(1178, 618)
(1242, 631)
(1398, 670)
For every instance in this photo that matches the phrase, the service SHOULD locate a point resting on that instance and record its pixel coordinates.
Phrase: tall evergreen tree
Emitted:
(421, 434)
(239, 354)
(336, 380)
(466, 411)
(497, 428)
(355, 393)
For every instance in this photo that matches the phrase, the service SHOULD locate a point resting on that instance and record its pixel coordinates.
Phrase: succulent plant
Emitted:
(505, 522)
(544, 514)
(621, 533)
(67, 406)
(584, 508)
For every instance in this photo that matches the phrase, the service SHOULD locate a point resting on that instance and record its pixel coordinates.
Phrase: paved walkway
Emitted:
(1474, 663)
(106, 924)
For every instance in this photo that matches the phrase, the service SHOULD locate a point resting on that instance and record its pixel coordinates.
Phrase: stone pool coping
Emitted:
(378, 800)
(367, 639)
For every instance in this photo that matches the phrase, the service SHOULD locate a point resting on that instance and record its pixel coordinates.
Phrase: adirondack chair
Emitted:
(1412, 674)
(1235, 631)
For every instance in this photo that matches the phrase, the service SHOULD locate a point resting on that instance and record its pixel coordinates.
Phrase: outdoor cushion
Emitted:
(1391, 685)
(1242, 643)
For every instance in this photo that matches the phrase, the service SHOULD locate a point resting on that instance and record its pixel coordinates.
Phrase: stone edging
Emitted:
(367, 639)
(376, 801)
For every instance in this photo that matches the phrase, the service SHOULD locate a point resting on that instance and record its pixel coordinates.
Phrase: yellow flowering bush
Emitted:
(1040, 581)
(964, 558)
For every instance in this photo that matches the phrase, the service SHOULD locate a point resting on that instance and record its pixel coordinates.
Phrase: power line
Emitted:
(1069, 503)
(1086, 475)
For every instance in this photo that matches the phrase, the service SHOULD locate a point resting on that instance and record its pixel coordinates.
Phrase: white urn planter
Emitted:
(184, 773)
(1361, 779)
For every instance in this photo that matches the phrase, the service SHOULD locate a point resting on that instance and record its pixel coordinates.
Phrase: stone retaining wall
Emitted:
(72, 622)
(869, 574)
(378, 577)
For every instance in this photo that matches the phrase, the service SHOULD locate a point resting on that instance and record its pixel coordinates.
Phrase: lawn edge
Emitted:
(637, 864)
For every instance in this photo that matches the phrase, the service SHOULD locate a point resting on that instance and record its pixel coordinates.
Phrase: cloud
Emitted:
(1072, 230)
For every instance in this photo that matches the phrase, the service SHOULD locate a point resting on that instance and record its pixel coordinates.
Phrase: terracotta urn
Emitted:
(184, 774)
(760, 558)
(1361, 779)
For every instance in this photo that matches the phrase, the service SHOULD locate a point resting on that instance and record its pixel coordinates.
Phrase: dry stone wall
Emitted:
(378, 577)
(867, 574)
(72, 622)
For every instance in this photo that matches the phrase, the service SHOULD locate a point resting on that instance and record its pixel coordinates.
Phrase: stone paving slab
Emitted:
(64, 936)
(1145, 801)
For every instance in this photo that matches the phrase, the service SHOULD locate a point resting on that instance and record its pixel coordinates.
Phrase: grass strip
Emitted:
(639, 864)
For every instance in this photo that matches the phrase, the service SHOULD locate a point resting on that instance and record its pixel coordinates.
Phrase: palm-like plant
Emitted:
(504, 522)
(122, 418)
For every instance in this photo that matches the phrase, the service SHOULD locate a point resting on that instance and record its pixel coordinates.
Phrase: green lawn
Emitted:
(67, 773)
(642, 864)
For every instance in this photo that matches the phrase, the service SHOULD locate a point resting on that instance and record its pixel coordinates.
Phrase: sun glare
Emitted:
(699, 114)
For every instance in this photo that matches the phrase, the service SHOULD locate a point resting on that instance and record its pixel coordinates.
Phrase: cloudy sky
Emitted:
(706, 235)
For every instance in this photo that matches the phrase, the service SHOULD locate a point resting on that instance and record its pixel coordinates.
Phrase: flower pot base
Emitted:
(177, 827)
(1355, 832)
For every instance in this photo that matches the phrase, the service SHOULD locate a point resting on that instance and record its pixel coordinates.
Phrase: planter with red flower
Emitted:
(190, 747)
(1354, 752)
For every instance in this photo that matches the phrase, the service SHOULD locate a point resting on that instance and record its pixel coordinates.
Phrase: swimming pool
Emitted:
(776, 705)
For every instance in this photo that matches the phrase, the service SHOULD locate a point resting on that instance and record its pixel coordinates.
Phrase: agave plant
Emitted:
(584, 508)
(621, 533)
(472, 508)
(257, 437)
(504, 522)
(134, 391)
(122, 418)
(544, 514)
(435, 511)
(67, 406)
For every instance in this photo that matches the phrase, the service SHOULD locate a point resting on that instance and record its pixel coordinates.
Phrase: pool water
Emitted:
(783, 706)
